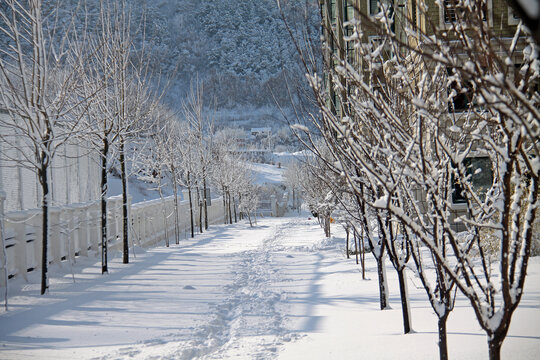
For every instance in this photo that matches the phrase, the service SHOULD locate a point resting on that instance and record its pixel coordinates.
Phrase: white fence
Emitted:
(69, 171)
(274, 206)
(279, 206)
(75, 230)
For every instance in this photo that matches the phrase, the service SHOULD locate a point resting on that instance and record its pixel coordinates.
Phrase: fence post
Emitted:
(130, 221)
(119, 231)
(273, 204)
(19, 260)
(82, 225)
(3, 255)
(36, 245)
(111, 222)
(64, 232)
(141, 226)
(95, 228)
(55, 242)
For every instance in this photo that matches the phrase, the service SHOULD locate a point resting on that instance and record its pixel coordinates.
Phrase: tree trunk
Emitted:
(404, 301)
(234, 207)
(164, 213)
(362, 255)
(200, 210)
(229, 202)
(224, 206)
(175, 193)
(241, 213)
(205, 205)
(327, 226)
(125, 215)
(4, 254)
(496, 339)
(383, 295)
(347, 243)
(355, 246)
(495, 344)
(443, 346)
(104, 153)
(43, 176)
(191, 211)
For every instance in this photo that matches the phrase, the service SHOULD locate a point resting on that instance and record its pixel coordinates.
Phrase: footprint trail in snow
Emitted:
(247, 323)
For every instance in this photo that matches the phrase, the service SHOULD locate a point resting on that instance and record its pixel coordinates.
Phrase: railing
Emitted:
(273, 206)
(147, 219)
(75, 230)
(279, 206)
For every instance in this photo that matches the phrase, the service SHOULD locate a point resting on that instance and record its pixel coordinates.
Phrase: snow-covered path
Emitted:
(208, 297)
(279, 290)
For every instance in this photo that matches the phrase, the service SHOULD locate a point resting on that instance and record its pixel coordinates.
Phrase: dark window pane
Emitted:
(373, 7)
(453, 11)
(413, 14)
(481, 178)
(449, 11)
(459, 96)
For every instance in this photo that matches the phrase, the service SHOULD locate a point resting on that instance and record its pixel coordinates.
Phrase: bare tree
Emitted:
(291, 175)
(134, 97)
(118, 79)
(224, 167)
(154, 163)
(37, 85)
(424, 121)
(172, 162)
(188, 166)
(202, 129)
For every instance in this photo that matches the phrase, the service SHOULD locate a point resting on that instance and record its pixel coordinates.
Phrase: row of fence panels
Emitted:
(75, 230)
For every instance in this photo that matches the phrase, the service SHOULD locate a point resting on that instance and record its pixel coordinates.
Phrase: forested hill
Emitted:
(239, 49)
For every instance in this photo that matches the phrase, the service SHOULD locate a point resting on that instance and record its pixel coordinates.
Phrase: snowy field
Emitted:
(266, 173)
(279, 290)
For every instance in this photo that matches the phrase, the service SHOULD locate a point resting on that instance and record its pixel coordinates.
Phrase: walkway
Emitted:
(278, 290)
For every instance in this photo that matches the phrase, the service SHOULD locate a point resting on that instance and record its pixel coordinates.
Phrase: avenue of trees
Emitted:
(88, 81)
(426, 146)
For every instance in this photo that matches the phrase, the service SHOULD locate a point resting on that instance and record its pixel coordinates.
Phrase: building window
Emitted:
(459, 97)
(513, 18)
(456, 10)
(413, 14)
(348, 10)
(348, 30)
(450, 9)
(373, 7)
(336, 101)
(480, 175)
(333, 12)
(517, 75)
(349, 44)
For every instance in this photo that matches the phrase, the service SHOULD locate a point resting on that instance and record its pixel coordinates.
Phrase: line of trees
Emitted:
(428, 147)
(87, 80)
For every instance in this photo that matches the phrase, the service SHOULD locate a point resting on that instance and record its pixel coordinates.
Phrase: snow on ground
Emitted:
(266, 173)
(279, 290)
(138, 190)
(287, 157)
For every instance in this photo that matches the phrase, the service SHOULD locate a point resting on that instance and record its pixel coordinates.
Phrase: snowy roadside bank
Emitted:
(279, 290)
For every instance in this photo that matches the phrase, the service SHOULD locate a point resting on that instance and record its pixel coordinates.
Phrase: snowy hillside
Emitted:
(266, 173)
(239, 49)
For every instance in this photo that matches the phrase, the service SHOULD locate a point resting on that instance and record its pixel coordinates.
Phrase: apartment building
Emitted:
(348, 24)
(412, 19)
